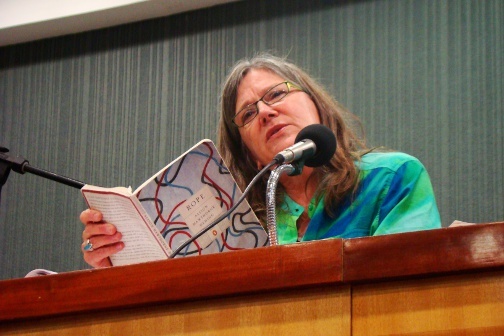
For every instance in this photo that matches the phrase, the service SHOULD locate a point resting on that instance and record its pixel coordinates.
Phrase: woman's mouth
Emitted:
(273, 131)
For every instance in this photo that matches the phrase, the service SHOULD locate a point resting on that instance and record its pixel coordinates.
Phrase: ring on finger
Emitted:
(88, 247)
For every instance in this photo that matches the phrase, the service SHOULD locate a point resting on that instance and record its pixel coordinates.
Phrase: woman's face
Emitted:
(275, 127)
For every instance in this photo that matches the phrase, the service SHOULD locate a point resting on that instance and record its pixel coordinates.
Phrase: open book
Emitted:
(175, 204)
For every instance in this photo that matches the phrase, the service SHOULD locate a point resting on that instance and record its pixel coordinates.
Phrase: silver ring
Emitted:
(88, 247)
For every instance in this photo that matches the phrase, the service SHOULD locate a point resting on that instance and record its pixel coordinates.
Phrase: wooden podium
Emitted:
(439, 282)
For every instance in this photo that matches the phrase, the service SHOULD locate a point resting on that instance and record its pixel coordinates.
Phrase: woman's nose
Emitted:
(265, 112)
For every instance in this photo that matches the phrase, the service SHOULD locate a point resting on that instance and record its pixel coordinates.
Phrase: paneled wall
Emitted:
(111, 107)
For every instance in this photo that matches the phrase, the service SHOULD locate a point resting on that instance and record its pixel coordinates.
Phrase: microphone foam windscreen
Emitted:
(324, 139)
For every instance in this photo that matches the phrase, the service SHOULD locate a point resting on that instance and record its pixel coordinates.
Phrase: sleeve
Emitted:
(409, 203)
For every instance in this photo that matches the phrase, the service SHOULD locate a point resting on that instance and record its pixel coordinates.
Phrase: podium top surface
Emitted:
(319, 263)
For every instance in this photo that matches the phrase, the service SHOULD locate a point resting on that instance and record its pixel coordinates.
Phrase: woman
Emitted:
(265, 102)
(357, 194)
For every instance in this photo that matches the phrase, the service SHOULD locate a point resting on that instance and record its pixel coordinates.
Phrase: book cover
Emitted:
(190, 193)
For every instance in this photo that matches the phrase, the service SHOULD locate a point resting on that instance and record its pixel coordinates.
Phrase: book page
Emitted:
(127, 215)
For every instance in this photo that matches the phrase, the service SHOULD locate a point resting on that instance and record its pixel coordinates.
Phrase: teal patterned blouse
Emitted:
(394, 195)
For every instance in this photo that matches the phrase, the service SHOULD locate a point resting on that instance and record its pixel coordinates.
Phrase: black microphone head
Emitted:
(324, 139)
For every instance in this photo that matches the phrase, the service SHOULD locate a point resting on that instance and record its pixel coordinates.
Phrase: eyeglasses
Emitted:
(272, 96)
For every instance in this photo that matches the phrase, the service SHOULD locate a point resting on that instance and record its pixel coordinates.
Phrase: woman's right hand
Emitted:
(103, 237)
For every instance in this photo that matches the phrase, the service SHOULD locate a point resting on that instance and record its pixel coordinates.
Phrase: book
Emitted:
(175, 204)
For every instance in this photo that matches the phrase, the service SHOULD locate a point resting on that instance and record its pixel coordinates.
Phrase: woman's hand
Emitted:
(100, 239)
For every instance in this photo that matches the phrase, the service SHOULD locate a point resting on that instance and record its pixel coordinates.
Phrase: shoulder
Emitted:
(391, 161)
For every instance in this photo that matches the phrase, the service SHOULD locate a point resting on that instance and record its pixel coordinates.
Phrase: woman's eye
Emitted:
(275, 95)
(247, 115)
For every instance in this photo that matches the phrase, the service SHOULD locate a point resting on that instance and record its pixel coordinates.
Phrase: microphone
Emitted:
(315, 145)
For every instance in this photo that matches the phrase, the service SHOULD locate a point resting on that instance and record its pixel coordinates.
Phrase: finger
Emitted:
(90, 216)
(95, 242)
(105, 229)
(100, 257)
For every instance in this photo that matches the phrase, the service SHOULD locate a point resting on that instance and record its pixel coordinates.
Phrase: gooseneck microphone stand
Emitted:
(21, 166)
(291, 170)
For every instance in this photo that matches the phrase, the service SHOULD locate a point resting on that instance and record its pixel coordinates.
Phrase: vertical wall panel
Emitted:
(112, 106)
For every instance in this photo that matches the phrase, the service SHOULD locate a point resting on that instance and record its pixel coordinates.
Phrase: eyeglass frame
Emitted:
(289, 86)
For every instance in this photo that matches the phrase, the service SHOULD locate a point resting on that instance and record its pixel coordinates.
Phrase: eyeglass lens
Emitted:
(272, 96)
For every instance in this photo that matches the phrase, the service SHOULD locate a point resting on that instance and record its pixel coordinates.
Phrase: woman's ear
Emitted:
(259, 165)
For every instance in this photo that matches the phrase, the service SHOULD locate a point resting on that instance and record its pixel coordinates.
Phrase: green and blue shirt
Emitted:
(394, 195)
